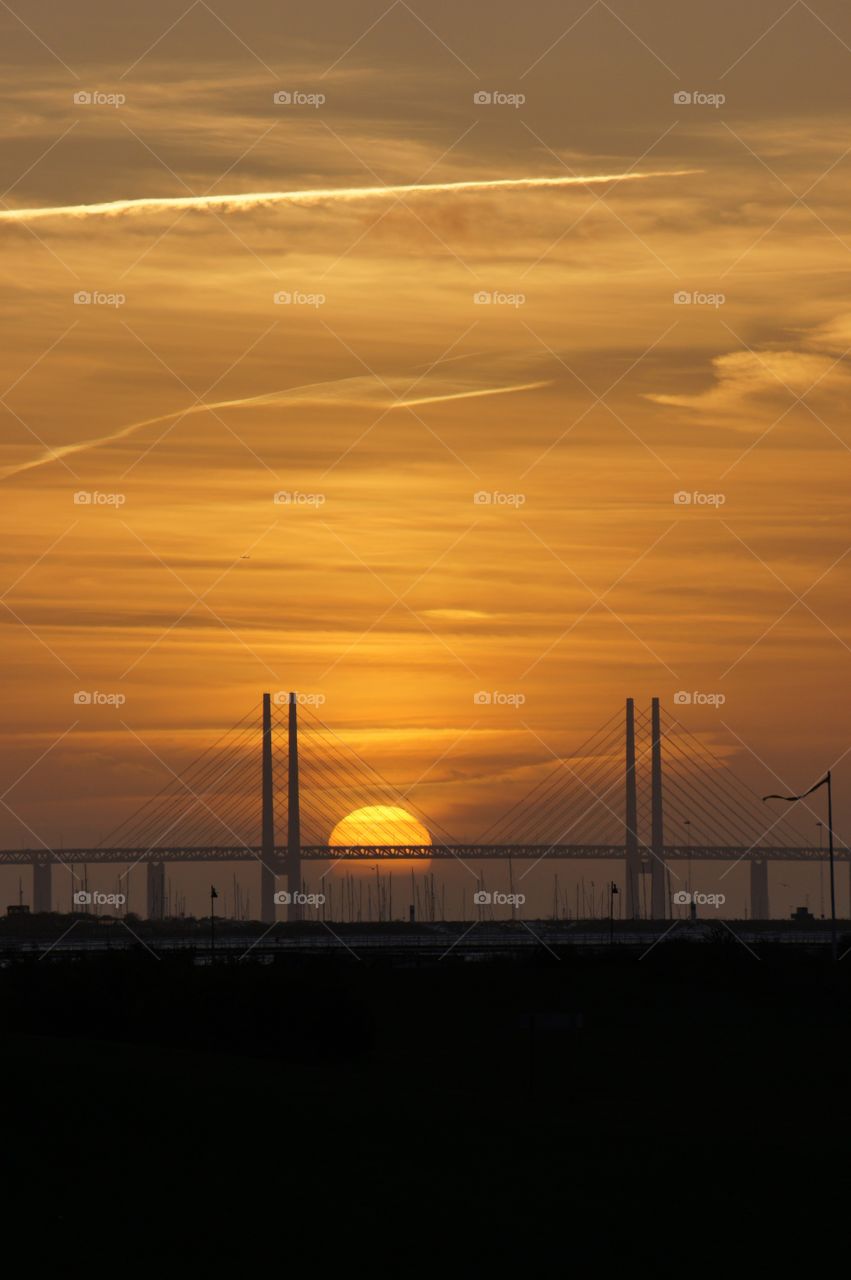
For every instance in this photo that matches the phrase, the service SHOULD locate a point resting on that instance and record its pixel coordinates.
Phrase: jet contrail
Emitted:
(244, 201)
(352, 391)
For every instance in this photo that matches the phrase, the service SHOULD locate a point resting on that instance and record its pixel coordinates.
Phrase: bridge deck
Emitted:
(390, 853)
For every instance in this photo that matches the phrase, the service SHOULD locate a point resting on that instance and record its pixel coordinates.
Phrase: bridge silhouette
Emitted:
(611, 800)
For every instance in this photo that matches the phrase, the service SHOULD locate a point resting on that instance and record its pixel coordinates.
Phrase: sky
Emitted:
(567, 441)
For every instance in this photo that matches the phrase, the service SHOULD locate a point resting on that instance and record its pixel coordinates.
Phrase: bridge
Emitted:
(406, 852)
(592, 806)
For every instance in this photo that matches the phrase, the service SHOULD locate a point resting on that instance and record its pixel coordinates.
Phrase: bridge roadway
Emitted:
(390, 853)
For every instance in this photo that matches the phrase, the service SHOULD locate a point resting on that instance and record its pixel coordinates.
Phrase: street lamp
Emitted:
(825, 781)
(213, 896)
(613, 889)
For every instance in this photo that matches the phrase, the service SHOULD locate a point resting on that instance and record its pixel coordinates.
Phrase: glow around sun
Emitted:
(379, 824)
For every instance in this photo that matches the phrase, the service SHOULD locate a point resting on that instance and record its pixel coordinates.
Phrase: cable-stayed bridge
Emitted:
(641, 791)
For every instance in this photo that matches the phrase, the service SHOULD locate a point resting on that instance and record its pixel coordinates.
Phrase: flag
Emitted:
(824, 780)
(213, 893)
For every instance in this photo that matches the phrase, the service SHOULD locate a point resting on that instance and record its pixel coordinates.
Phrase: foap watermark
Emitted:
(683, 898)
(494, 698)
(287, 498)
(298, 98)
(94, 498)
(283, 699)
(485, 898)
(96, 98)
(93, 898)
(697, 98)
(696, 699)
(696, 298)
(97, 298)
(295, 298)
(284, 898)
(496, 298)
(694, 498)
(494, 498)
(498, 98)
(84, 698)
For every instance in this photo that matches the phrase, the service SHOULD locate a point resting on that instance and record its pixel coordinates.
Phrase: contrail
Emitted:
(468, 395)
(352, 391)
(240, 203)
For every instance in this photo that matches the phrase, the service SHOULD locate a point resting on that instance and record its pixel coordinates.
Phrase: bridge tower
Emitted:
(633, 858)
(42, 878)
(760, 907)
(293, 814)
(268, 864)
(156, 889)
(658, 870)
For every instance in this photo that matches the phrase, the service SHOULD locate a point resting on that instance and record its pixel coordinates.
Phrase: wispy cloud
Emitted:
(741, 375)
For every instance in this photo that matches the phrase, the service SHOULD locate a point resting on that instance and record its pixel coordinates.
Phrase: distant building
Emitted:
(17, 909)
(801, 914)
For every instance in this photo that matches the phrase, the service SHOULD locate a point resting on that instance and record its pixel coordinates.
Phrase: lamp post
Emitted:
(825, 781)
(213, 896)
(832, 875)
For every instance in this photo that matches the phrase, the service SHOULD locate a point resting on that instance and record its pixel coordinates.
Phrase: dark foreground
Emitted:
(558, 1108)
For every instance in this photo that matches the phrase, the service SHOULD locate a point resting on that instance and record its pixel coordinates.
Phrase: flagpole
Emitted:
(832, 878)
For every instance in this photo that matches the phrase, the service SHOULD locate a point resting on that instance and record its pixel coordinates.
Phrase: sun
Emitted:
(379, 824)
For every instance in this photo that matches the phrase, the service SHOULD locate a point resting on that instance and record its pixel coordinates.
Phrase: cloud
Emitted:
(245, 201)
(832, 335)
(741, 375)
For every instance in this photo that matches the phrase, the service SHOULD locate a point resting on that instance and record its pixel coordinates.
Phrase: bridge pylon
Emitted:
(658, 870)
(156, 889)
(42, 882)
(268, 865)
(760, 905)
(633, 857)
(293, 814)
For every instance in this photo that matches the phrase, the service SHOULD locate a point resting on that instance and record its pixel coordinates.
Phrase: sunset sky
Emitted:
(334, 347)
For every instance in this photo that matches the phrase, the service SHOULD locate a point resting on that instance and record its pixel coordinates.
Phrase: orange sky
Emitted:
(579, 400)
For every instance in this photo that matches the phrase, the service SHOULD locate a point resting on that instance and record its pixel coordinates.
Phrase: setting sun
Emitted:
(379, 824)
